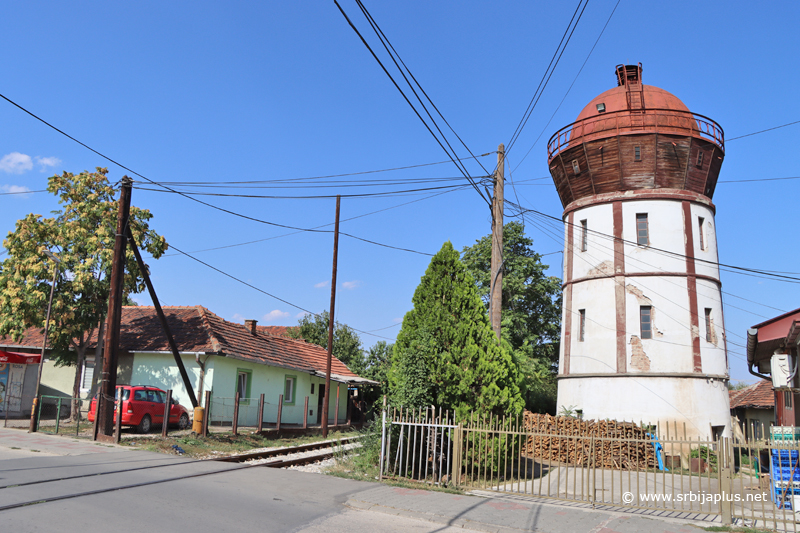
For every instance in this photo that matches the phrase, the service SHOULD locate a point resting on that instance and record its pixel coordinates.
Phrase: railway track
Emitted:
(274, 458)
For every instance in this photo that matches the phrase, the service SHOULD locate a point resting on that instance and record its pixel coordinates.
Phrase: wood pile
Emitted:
(568, 440)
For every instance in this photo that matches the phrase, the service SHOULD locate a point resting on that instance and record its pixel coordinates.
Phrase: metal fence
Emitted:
(750, 483)
(258, 413)
(54, 415)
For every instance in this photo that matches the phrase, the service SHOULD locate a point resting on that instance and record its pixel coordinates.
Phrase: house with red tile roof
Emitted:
(222, 357)
(753, 410)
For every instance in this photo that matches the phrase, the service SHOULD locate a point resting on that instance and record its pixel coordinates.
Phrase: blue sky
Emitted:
(206, 91)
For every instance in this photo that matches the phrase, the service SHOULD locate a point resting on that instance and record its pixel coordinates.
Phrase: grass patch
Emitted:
(219, 444)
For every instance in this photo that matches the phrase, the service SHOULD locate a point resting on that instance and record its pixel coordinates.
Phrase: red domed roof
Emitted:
(616, 99)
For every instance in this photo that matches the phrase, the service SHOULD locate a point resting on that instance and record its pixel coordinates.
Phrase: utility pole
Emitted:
(330, 323)
(496, 280)
(108, 384)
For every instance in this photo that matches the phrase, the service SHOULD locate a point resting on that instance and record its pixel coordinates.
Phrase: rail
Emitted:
(628, 122)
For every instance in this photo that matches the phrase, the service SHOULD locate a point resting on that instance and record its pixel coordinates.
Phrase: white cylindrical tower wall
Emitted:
(611, 369)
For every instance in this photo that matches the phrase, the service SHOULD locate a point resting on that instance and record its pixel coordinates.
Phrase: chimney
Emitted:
(251, 325)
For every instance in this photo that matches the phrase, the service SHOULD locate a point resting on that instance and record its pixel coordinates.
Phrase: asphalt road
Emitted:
(252, 499)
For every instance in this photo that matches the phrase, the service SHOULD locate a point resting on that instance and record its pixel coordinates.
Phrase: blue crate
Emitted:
(785, 473)
(781, 501)
(785, 455)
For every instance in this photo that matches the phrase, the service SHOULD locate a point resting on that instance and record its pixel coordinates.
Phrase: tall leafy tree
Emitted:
(531, 301)
(82, 234)
(346, 342)
(446, 353)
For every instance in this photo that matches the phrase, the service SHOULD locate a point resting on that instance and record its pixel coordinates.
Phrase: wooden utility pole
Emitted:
(330, 323)
(496, 280)
(108, 383)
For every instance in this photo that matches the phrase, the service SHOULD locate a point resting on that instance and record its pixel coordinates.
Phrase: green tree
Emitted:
(531, 309)
(82, 234)
(346, 343)
(446, 353)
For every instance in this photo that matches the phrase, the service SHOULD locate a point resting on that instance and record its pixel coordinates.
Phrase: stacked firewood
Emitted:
(568, 440)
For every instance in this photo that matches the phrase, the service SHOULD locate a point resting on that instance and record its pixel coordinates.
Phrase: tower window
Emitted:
(708, 324)
(700, 221)
(642, 237)
(576, 168)
(700, 159)
(637, 153)
(584, 236)
(583, 324)
(645, 321)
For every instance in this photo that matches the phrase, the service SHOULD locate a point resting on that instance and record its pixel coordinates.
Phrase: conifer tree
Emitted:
(446, 353)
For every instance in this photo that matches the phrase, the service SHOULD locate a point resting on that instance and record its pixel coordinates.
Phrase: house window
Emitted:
(700, 159)
(312, 388)
(289, 389)
(700, 221)
(645, 320)
(243, 379)
(88, 374)
(583, 324)
(642, 237)
(576, 168)
(584, 235)
(708, 324)
(637, 153)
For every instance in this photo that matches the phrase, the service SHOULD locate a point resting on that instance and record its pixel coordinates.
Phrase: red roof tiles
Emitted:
(759, 396)
(196, 329)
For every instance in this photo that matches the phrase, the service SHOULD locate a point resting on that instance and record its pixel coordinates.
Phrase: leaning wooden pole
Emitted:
(330, 323)
(108, 384)
(163, 319)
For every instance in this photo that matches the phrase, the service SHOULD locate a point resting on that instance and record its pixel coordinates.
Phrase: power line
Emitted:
(748, 271)
(385, 41)
(571, 85)
(262, 291)
(462, 187)
(408, 101)
(762, 131)
(246, 217)
(383, 194)
(21, 192)
(535, 99)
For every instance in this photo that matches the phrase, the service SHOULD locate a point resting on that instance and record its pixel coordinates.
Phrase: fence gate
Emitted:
(418, 445)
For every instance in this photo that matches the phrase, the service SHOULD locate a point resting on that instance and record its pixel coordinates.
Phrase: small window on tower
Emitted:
(584, 236)
(645, 316)
(702, 237)
(708, 324)
(583, 324)
(642, 237)
(637, 153)
(700, 159)
(576, 168)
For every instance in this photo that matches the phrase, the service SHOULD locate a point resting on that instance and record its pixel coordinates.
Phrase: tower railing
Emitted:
(628, 122)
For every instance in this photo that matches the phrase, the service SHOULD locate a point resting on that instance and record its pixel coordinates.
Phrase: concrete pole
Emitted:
(496, 278)
(330, 324)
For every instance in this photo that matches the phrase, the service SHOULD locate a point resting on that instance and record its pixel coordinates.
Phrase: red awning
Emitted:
(19, 358)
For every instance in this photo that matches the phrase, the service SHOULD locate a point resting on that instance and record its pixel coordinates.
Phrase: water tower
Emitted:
(642, 334)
